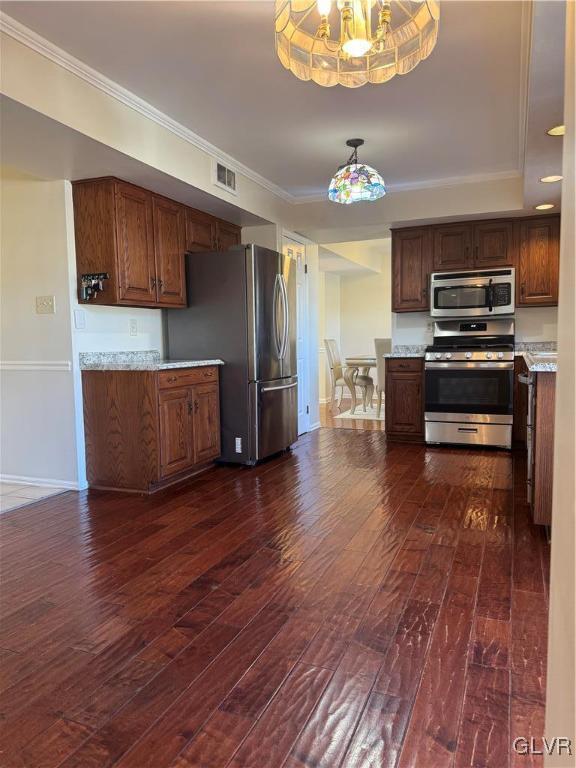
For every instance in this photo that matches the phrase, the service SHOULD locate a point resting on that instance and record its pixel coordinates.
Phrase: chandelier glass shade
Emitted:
(355, 182)
(354, 42)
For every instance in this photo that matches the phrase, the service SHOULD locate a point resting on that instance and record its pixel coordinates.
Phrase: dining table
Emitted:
(354, 365)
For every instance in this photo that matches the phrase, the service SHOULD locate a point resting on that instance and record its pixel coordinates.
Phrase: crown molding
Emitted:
(526, 23)
(62, 58)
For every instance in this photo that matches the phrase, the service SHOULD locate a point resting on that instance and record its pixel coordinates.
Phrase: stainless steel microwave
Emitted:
(477, 293)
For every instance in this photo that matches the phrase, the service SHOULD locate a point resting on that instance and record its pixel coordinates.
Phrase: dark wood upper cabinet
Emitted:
(139, 239)
(538, 262)
(410, 269)
(135, 245)
(169, 246)
(200, 231)
(494, 244)
(530, 244)
(206, 422)
(227, 235)
(453, 247)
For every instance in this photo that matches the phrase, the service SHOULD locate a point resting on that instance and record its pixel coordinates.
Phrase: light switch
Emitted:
(133, 327)
(45, 305)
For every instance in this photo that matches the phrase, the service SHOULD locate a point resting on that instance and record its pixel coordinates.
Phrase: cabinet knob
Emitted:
(172, 378)
(153, 282)
(196, 406)
(189, 406)
(523, 290)
(160, 283)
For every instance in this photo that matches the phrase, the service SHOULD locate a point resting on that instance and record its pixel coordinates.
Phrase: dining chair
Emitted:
(363, 382)
(382, 347)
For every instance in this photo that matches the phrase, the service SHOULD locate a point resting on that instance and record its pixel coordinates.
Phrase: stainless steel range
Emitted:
(469, 383)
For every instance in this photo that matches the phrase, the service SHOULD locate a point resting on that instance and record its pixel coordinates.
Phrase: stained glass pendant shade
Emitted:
(356, 181)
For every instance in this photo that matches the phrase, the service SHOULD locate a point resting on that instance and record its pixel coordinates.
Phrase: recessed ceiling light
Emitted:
(558, 130)
(551, 179)
(544, 206)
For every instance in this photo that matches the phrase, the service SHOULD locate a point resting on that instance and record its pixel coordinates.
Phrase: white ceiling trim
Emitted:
(525, 52)
(53, 53)
(62, 58)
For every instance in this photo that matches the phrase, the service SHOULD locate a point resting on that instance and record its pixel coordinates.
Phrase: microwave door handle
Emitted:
(490, 296)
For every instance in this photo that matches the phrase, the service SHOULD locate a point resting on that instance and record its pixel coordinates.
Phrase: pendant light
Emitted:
(354, 181)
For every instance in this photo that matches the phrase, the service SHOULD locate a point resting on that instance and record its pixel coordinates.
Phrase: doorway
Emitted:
(297, 251)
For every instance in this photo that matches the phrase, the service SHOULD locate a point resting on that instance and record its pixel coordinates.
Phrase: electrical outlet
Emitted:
(133, 327)
(45, 305)
(238, 444)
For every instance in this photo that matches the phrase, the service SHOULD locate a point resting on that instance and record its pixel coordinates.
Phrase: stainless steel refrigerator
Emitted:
(242, 309)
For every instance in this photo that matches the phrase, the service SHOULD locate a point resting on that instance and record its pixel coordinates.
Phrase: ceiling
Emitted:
(211, 66)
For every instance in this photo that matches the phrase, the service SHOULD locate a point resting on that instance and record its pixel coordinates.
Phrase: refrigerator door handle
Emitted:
(283, 386)
(286, 317)
(277, 294)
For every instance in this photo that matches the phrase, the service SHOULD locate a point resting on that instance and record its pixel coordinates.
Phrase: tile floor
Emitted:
(14, 495)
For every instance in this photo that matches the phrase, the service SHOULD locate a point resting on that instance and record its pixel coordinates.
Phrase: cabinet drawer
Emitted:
(184, 376)
(405, 364)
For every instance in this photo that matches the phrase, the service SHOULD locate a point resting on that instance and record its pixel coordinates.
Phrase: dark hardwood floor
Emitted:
(351, 604)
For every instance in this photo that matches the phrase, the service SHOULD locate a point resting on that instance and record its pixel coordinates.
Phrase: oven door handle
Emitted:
(490, 296)
(469, 366)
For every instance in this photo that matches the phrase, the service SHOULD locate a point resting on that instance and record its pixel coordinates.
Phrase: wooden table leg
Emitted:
(349, 376)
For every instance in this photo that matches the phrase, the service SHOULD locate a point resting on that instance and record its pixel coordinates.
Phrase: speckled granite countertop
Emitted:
(407, 350)
(541, 362)
(539, 355)
(148, 360)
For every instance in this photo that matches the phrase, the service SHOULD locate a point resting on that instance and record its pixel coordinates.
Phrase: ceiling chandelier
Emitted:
(354, 181)
(362, 41)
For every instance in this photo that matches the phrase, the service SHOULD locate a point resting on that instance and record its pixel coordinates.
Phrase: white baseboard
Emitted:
(317, 425)
(44, 482)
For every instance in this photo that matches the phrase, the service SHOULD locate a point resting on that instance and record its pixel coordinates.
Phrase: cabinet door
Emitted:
(176, 430)
(404, 403)
(539, 262)
(494, 244)
(227, 235)
(169, 245)
(410, 269)
(206, 422)
(452, 246)
(200, 231)
(135, 245)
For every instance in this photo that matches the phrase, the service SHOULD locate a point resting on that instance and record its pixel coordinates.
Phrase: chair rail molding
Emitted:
(35, 365)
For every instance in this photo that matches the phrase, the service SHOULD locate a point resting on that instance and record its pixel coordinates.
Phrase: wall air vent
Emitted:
(224, 177)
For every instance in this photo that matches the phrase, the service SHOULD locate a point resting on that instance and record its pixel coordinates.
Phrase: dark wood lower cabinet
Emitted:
(146, 429)
(206, 406)
(543, 448)
(176, 431)
(405, 399)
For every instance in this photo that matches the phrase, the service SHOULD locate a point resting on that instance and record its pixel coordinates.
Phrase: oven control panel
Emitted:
(467, 355)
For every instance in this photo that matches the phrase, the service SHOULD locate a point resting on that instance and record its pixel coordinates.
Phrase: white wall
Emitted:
(560, 699)
(365, 311)
(328, 325)
(37, 435)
